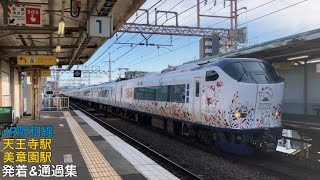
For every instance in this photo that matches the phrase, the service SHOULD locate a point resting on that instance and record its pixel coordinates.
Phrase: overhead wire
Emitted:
(179, 22)
(197, 40)
(225, 20)
(124, 33)
(274, 12)
(148, 37)
(174, 39)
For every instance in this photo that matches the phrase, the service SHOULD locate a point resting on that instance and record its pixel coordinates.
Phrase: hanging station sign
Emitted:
(24, 15)
(36, 61)
(43, 73)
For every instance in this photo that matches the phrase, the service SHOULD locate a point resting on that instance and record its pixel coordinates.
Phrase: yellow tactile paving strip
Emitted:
(98, 166)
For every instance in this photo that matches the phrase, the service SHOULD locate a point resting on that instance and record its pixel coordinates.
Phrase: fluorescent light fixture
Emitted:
(298, 57)
(61, 28)
(318, 71)
(58, 48)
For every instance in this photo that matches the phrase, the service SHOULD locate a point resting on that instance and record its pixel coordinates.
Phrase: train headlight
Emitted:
(240, 115)
(278, 113)
(237, 115)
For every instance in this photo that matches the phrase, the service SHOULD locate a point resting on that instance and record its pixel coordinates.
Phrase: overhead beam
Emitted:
(63, 58)
(292, 54)
(5, 34)
(5, 11)
(50, 6)
(37, 38)
(35, 48)
(83, 45)
(5, 56)
(45, 28)
(175, 30)
(24, 42)
(26, 3)
(83, 39)
(31, 42)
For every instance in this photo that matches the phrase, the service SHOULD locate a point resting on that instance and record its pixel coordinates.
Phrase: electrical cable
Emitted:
(124, 33)
(273, 12)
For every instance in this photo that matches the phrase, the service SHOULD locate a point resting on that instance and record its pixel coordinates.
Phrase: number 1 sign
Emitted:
(100, 26)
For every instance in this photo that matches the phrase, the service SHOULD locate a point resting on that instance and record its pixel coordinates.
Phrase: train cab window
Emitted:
(262, 73)
(150, 93)
(271, 72)
(162, 93)
(177, 93)
(211, 75)
(237, 72)
(256, 71)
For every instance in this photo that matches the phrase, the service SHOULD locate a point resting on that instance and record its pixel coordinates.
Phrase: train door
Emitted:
(197, 100)
(121, 95)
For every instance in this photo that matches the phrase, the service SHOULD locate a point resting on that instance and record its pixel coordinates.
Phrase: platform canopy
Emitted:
(300, 47)
(288, 50)
(39, 37)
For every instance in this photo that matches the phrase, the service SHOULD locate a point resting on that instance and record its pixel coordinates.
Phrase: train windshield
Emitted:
(253, 72)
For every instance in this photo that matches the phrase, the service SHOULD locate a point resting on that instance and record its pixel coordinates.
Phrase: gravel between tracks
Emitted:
(208, 166)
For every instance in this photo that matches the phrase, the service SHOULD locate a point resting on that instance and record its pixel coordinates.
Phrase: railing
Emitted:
(55, 103)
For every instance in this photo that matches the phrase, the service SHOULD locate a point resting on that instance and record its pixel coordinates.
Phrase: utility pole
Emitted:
(231, 14)
(198, 13)
(235, 14)
(122, 69)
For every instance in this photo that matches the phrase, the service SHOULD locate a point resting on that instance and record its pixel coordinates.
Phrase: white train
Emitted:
(234, 103)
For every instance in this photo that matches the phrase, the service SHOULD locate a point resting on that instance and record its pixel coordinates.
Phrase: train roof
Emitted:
(196, 65)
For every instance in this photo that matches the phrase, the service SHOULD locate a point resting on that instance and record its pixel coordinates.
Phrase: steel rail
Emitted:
(139, 144)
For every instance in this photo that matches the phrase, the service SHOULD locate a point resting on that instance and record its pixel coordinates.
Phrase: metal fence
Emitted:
(55, 103)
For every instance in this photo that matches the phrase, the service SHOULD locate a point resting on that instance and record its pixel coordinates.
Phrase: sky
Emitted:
(282, 21)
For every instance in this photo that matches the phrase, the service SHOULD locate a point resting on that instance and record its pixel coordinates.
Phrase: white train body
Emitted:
(229, 94)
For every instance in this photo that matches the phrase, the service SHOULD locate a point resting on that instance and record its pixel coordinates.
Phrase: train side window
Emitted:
(150, 93)
(139, 93)
(197, 88)
(177, 93)
(162, 93)
(211, 75)
(86, 93)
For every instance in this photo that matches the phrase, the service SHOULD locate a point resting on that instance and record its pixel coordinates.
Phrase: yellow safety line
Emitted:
(98, 166)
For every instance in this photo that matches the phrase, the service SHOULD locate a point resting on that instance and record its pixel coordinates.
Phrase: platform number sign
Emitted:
(100, 26)
(77, 73)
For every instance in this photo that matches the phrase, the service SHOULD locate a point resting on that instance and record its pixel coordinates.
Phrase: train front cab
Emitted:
(260, 93)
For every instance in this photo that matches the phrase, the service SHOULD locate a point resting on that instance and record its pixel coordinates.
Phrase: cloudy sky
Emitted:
(303, 15)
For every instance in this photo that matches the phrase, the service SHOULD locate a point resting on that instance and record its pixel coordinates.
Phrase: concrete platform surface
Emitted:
(70, 145)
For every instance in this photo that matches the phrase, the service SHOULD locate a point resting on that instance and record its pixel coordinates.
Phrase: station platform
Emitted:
(77, 148)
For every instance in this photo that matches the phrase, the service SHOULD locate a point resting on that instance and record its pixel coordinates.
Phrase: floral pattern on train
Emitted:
(212, 112)
(267, 109)
(174, 110)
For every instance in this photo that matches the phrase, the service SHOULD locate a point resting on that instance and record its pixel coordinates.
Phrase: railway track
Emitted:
(171, 166)
(275, 164)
